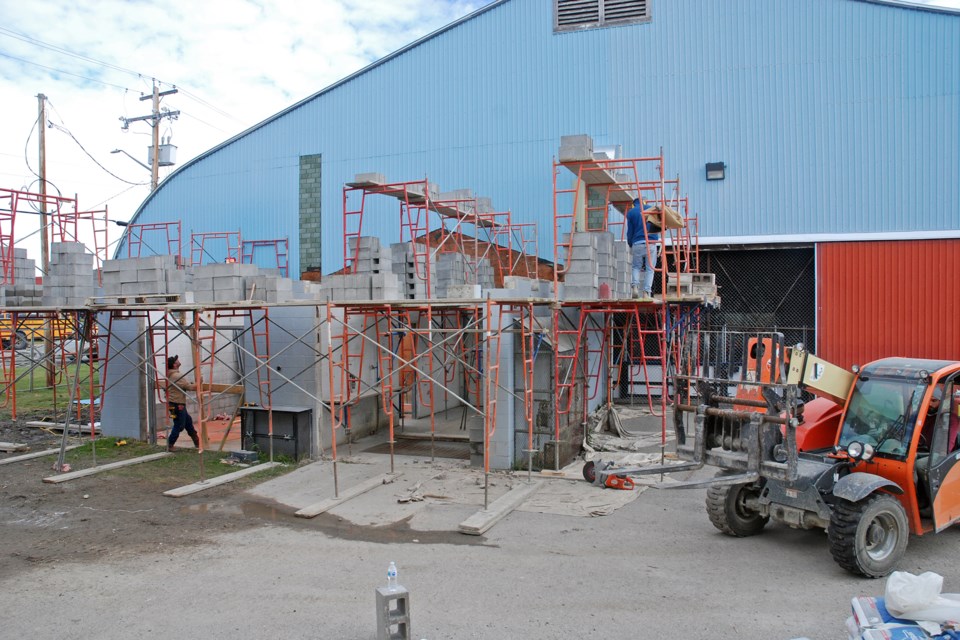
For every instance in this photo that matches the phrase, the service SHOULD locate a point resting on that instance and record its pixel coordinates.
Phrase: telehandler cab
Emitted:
(875, 458)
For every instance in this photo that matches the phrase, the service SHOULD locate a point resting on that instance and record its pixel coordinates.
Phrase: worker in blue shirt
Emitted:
(643, 237)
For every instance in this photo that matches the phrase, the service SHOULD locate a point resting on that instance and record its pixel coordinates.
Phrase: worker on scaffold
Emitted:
(643, 237)
(177, 404)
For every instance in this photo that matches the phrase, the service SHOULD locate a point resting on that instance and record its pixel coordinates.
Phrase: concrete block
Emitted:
(464, 291)
(369, 179)
(576, 148)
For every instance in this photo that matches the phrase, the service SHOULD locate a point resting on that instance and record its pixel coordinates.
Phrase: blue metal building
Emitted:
(835, 120)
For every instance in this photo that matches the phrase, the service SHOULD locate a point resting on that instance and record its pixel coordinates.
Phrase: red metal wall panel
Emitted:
(892, 298)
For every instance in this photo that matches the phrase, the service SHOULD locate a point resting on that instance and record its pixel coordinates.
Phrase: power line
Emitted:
(45, 45)
(67, 52)
(97, 162)
(61, 71)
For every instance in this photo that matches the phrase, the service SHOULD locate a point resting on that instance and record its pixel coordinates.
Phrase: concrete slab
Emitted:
(219, 480)
(354, 491)
(480, 522)
(73, 475)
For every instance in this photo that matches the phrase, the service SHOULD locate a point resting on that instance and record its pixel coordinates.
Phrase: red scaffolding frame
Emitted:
(199, 247)
(171, 237)
(279, 248)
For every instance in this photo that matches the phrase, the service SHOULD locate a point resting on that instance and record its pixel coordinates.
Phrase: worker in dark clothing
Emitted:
(643, 237)
(177, 404)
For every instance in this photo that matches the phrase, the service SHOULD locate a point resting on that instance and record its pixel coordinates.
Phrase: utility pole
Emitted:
(154, 119)
(44, 240)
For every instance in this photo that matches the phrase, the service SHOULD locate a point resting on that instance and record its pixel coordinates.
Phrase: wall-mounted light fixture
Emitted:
(716, 171)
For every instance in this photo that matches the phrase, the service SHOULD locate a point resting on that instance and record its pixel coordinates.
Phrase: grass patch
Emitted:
(183, 467)
(35, 398)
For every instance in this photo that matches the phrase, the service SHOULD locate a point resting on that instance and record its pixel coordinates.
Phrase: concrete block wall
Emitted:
(413, 286)
(593, 260)
(222, 282)
(71, 279)
(152, 275)
(371, 257)
(24, 290)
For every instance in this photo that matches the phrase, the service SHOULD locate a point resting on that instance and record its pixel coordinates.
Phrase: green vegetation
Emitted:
(183, 467)
(35, 399)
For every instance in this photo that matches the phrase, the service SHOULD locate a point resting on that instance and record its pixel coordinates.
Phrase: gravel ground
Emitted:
(110, 557)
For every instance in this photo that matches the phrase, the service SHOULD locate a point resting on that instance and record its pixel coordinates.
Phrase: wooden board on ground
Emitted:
(11, 447)
(36, 454)
(58, 426)
(481, 521)
(325, 505)
(73, 475)
(219, 480)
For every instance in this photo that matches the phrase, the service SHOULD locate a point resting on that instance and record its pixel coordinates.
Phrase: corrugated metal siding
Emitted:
(879, 299)
(833, 116)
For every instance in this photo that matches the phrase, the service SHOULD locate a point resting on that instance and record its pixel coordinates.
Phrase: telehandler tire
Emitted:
(869, 537)
(728, 512)
(20, 341)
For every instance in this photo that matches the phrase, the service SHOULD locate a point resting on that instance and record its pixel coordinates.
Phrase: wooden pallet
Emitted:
(147, 298)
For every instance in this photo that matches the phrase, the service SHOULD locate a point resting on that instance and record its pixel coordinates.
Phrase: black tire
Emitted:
(728, 512)
(869, 537)
(590, 471)
(20, 343)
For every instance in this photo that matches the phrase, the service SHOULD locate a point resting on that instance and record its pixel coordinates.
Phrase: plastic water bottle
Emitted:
(392, 576)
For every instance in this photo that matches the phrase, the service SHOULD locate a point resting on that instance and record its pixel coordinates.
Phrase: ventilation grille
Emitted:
(589, 14)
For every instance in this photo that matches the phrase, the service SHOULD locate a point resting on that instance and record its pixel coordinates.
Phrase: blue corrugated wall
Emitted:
(833, 116)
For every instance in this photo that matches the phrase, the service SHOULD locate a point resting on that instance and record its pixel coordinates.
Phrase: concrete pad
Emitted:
(481, 521)
(73, 475)
(219, 480)
(35, 454)
(354, 491)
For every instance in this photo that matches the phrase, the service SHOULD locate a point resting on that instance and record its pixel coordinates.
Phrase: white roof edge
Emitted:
(939, 6)
(813, 238)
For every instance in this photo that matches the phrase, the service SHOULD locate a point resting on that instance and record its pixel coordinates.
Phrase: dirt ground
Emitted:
(109, 556)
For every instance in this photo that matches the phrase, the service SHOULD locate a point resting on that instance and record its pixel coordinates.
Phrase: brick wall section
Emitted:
(310, 184)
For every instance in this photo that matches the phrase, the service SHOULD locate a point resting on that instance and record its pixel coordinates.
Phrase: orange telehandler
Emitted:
(872, 459)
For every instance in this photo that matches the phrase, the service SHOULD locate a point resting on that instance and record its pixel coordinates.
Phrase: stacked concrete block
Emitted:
(593, 261)
(464, 200)
(453, 269)
(70, 280)
(361, 286)
(23, 290)
(576, 148)
(485, 275)
(143, 277)
(416, 191)
(371, 257)
(369, 179)
(269, 288)
(606, 261)
(306, 290)
(222, 282)
(623, 260)
(412, 275)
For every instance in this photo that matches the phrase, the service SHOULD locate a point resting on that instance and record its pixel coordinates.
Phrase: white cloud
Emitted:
(236, 62)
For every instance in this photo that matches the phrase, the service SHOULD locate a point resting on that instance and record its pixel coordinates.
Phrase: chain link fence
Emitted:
(764, 290)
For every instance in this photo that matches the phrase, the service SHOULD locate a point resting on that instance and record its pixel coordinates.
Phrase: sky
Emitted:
(234, 64)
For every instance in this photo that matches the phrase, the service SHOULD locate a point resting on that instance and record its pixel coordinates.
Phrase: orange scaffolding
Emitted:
(171, 237)
(201, 245)
(278, 249)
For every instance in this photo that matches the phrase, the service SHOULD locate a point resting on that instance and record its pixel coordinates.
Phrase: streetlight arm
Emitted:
(132, 158)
